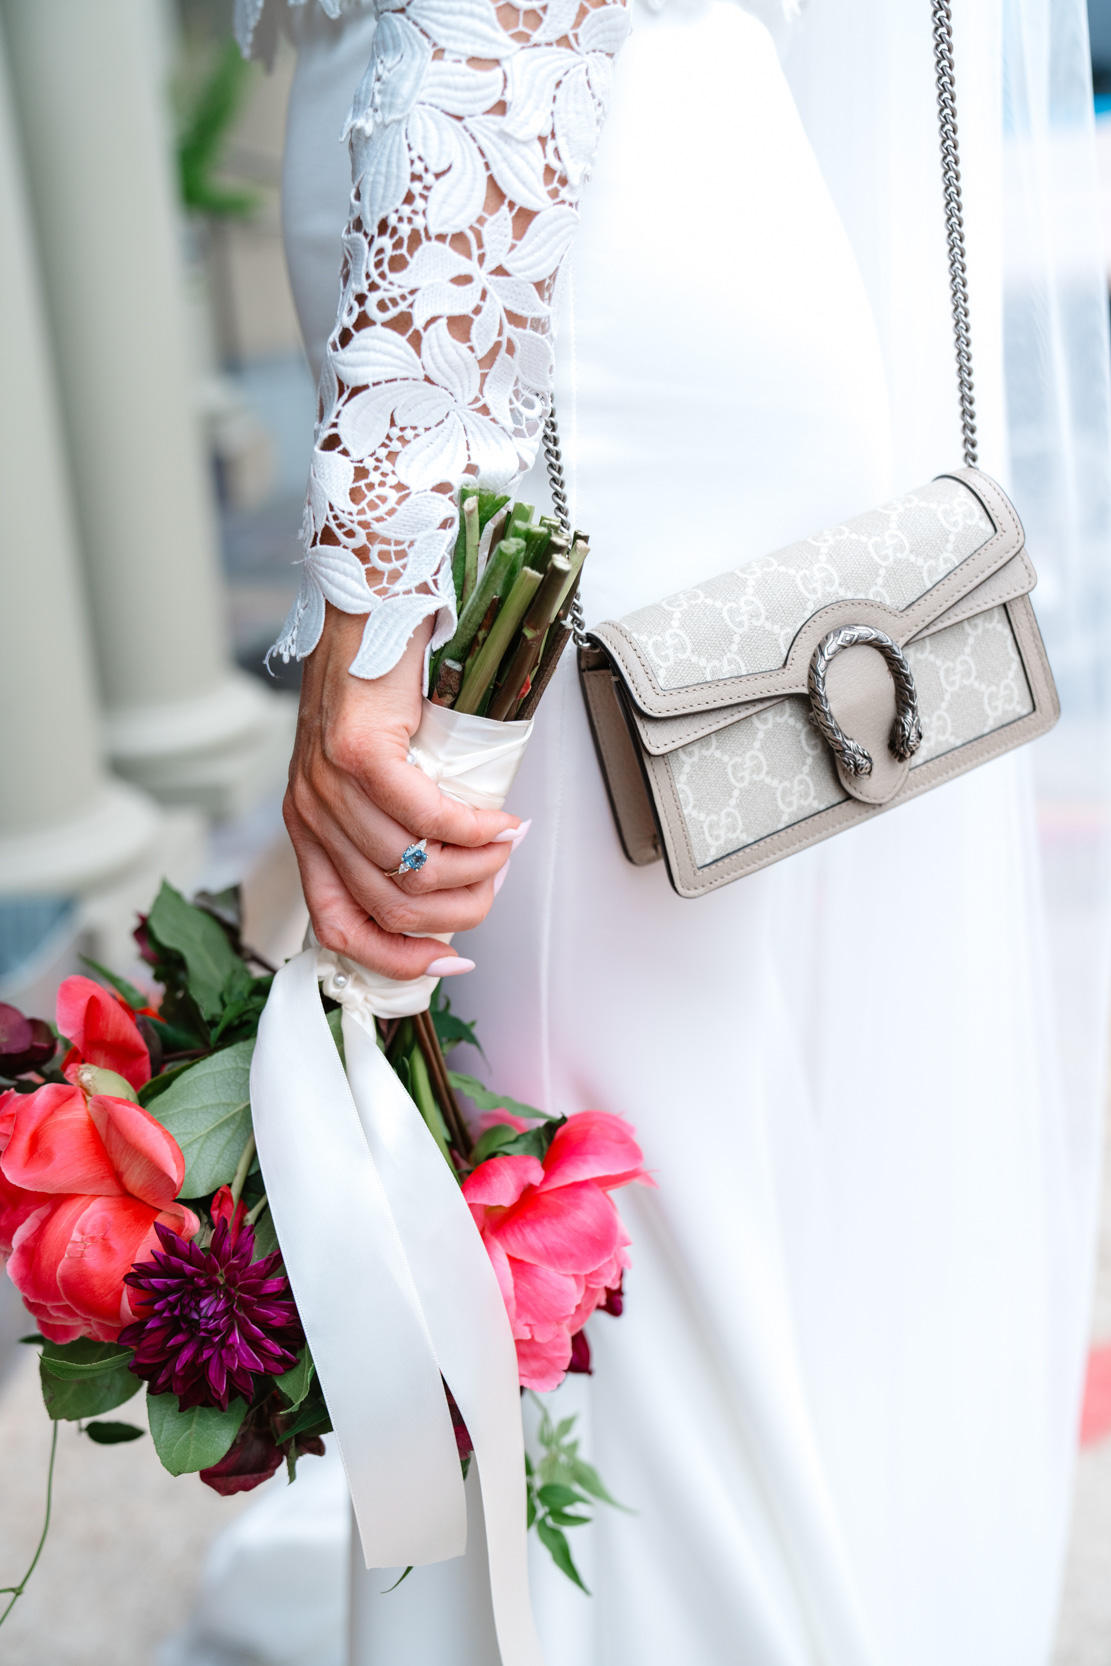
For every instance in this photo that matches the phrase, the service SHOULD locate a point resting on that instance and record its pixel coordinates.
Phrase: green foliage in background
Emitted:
(209, 100)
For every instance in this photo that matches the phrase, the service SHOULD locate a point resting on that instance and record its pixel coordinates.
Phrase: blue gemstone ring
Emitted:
(412, 860)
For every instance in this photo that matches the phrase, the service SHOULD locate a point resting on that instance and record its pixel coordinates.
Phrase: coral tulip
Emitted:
(103, 1031)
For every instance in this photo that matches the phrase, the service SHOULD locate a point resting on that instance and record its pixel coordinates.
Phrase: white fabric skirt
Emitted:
(842, 1398)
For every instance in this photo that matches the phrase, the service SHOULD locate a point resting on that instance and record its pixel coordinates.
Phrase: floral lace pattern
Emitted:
(472, 134)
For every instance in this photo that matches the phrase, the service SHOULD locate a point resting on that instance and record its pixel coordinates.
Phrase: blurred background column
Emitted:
(181, 720)
(66, 827)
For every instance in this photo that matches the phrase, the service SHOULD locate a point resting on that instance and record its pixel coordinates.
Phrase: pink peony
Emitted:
(82, 1183)
(554, 1236)
(103, 1031)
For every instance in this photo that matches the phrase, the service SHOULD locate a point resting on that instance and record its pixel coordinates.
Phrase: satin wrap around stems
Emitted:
(392, 1281)
(471, 759)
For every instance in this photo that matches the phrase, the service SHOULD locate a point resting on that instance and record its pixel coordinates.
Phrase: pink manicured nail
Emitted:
(449, 966)
(499, 877)
(512, 835)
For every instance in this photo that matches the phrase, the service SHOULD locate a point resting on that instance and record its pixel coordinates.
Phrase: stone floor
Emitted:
(124, 1549)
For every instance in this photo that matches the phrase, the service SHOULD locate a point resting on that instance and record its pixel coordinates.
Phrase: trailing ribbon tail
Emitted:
(465, 1313)
(354, 1290)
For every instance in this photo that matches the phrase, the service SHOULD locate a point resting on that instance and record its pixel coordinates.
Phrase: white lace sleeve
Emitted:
(472, 133)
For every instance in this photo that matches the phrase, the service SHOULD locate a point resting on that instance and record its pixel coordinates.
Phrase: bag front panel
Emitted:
(772, 770)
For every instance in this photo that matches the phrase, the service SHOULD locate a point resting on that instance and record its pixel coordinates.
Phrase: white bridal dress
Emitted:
(842, 1401)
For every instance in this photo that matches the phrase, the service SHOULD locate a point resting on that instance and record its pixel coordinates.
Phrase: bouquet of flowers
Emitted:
(135, 1224)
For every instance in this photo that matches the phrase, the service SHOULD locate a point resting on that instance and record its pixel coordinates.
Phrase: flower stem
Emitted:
(421, 1089)
(16, 1591)
(252, 1215)
(470, 535)
(484, 668)
(429, 1042)
(243, 1169)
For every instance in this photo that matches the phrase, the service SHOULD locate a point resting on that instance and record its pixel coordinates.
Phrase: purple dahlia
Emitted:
(209, 1321)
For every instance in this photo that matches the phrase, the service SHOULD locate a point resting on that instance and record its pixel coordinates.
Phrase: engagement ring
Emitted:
(412, 860)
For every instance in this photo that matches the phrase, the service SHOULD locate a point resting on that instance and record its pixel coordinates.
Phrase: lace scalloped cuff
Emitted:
(337, 575)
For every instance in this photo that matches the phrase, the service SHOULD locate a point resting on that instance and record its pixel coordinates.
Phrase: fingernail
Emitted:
(449, 966)
(512, 835)
(499, 877)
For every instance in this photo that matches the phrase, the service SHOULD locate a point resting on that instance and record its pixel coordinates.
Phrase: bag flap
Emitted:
(663, 734)
(720, 650)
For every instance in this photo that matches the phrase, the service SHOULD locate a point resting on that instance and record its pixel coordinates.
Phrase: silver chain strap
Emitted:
(553, 460)
(954, 220)
(958, 287)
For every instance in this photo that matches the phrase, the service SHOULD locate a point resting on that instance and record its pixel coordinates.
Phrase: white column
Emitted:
(90, 95)
(65, 825)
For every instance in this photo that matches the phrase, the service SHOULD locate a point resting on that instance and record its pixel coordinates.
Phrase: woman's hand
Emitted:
(354, 804)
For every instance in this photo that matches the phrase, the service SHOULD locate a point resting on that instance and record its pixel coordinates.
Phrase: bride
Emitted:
(842, 1400)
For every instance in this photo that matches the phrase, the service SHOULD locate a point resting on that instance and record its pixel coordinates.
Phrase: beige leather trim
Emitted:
(617, 755)
(663, 734)
(948, 594)
(691, 881)
(1016, 578)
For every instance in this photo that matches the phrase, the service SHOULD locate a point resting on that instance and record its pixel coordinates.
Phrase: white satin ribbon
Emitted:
(470, 758)
(392, 1280)
(353, 1285)
(465, 1313)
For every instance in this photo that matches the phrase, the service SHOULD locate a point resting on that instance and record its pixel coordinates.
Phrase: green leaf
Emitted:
(297, 1381)
(78, 1397)
(492, 1141)
(113, 1434)
(173, 1038)
(311, 1416)
(244, 997)
(195, 1439)
(335, 1018)
(558, 1498)
(562, 1518)
(487, 1101)
(225, 906)
(208, 1111)
(33, 1339)
(201, 942)
(590, 1481)
(560, 1551)
(158, 1084)
(534, 1142)
(134, 997)
(266, 1238)
(451, 1030)
(83, 1358)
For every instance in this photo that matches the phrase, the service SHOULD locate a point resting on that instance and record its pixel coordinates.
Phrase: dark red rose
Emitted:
(25, 1043)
